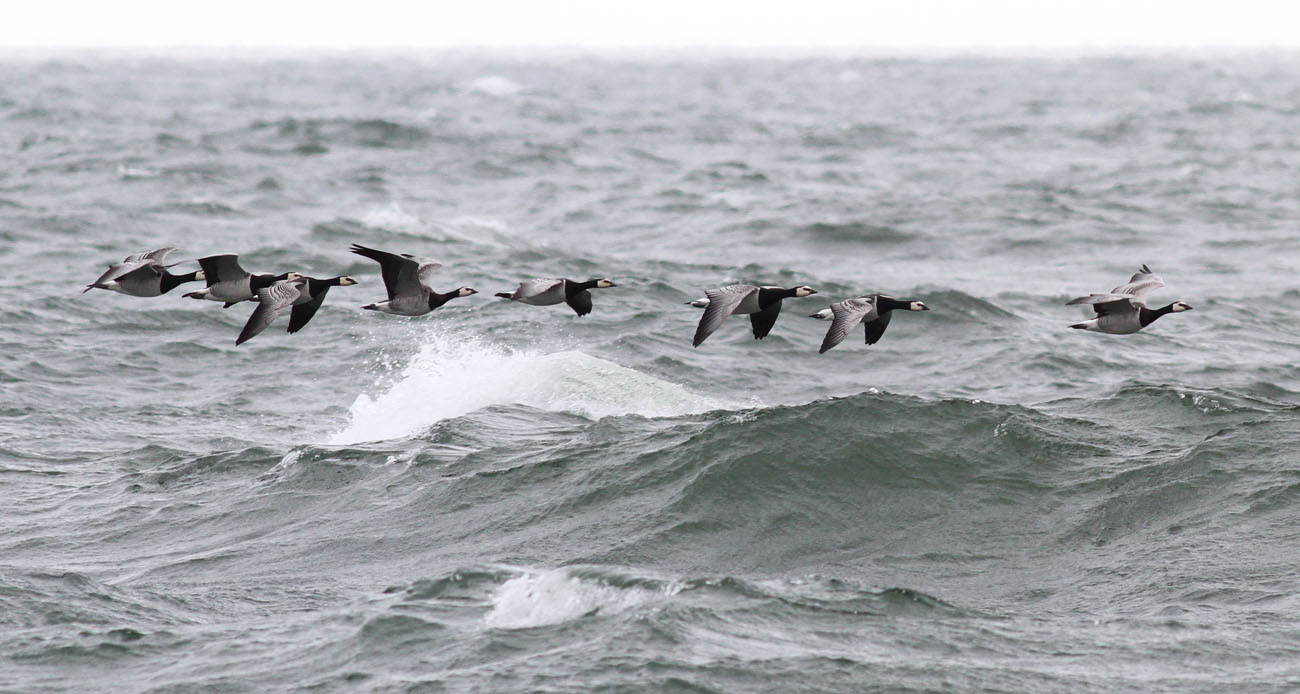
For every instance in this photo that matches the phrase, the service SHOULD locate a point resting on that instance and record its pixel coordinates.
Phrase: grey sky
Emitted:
(865, 25)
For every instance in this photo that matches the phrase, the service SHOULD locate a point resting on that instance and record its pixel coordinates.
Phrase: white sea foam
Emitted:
(394, 218)
(494, 85)
(455, 374)
(482, 231)
(556, 596)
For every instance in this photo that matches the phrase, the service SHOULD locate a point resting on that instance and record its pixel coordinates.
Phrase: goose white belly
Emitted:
(1112, 324)
(1119, 323)
(406, 305)
(228, 291)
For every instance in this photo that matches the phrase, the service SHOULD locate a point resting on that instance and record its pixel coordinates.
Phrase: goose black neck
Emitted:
(1147, 316)
(571, 287)
(314, 285)
(886, 303)
(170, 281)
(770, 295)
(436, 299)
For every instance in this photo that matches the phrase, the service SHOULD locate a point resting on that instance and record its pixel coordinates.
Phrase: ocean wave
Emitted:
(199, 208)
(317, 135)
(1165, 405)
(808, 482)
(553, 597)
(855, 232)
(832, 451)
(857, 135)
(35, 599)
(180, 471)
(952, 303)
(454, 374)
(504, 597)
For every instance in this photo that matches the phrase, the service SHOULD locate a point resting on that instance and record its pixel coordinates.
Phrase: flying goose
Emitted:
(230, 283)
(304, 294)
(872, 310)
(763, 304)
(1124, 311)
(549, 291)
(310, 296)
(271, 301)
(143, 274)
(406, 278)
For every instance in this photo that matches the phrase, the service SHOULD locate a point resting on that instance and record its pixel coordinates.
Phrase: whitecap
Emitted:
(555, 597)
(393, 218)
(455, 374)
(494, 85)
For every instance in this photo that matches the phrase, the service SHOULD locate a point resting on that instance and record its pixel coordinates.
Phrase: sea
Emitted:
(496, 497)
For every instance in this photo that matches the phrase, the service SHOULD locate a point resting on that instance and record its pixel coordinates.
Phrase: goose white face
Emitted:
(294, 276)
(200, 275)
(804, 291)
(466, 291)
(603, 283)
(918, 306)
(1180, 306)
(346, 281)
(824, 314)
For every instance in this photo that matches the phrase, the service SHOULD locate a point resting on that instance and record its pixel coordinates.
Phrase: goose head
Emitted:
(804, 291)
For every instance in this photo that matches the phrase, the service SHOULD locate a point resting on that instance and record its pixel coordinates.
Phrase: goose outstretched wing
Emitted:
(722, 303)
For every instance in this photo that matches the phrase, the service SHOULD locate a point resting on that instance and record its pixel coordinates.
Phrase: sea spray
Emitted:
(454, 374)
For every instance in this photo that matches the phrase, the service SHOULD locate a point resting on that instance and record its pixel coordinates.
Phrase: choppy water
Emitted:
(497, 497)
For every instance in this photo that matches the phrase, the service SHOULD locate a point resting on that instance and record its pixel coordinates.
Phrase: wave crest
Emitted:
(455, 374)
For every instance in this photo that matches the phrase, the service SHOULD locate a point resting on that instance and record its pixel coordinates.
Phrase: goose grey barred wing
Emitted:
(155, 256)
(722, 303)
(158, 255)
(846, 316)
(425, 269)
(130, 264)
(1099, 299)
(272, 301)
(116, 271)
(221, 268)
(876, 328)
(1142, 283)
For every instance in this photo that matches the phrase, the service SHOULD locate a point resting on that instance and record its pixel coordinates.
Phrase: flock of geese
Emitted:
(1121, 311)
